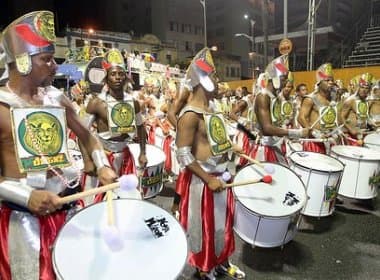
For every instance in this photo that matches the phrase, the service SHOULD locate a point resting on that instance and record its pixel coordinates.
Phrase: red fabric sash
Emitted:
(168, 152)
(316, 147)
(49, 228)
(206, 258)
(152, 135)
(246, 148)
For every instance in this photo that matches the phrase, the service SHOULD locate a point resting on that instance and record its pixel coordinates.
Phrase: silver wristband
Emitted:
(184, 156)
(295, 133)
(139, 119)
(15, 192)
(100, 159)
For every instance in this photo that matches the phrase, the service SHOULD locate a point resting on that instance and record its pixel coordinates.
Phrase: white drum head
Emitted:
(80, 250)
(154, 154)
(372, 140)
(356, 152)
(283, 197)
(316, 161)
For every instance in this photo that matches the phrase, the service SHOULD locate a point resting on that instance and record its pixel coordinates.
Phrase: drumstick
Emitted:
(110, 210)
(126, 183)
(269, 169)
(266, 179)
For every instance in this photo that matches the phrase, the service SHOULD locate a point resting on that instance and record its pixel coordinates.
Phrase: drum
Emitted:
(153, 244)
(76, 159)
(151, 180)
(321, 175)
(362, 164)
(266, 215)
(372, 141)
(292, 147)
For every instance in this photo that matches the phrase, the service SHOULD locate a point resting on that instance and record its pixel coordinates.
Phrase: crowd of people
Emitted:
(200, 123)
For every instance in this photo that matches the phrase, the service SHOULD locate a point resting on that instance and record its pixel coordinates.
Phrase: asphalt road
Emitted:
(345, 245)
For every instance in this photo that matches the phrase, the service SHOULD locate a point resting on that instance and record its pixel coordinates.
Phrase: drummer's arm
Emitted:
(185, 139)
(105, 174)
(240, 107)
(343, 116)
(305, 111)
(177, 106)
(141, 134)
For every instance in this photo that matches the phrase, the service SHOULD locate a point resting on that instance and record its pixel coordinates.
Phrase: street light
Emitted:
(203, 3)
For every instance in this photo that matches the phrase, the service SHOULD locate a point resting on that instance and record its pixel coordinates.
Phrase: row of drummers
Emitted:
(313, 169)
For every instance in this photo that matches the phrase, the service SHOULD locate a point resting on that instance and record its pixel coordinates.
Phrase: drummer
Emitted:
(355, 111)
(117, 116)
(319, 112)
(268, 113)
(30, 212)
(203, 144)
(374, 106)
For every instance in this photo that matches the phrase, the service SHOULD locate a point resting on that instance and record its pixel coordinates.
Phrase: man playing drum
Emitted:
(355, 111)
(117, 115)
(206, 209)
(268, 113)
(34, 162)
(318, 111)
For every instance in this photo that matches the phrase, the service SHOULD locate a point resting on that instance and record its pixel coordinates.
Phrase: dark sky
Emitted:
(75, 13)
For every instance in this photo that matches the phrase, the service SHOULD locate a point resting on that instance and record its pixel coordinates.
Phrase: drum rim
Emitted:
(269, 216)
(310, 168)
(53, 255)
(146, 145)
(355, 158)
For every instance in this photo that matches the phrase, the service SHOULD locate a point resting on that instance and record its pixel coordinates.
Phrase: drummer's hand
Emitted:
(143, 161)
(43, 202)
(305, 132)
(353, 131)
(237, 149)
(106, 175)
(215, 184)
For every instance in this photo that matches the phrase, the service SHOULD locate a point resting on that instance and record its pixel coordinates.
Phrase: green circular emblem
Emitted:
(43, 134)
(362, 108)
(217, 130)
(122, 114)
(287, 108)
(330, 116)
(276, 110)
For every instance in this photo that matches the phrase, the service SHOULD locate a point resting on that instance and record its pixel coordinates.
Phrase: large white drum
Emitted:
(153, 244)
(151, 180)
(361, 164)
(372, 141)
(266, 215)
(321, 175)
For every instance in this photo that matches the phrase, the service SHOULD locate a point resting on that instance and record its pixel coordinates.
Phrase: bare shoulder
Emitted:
(188, 120)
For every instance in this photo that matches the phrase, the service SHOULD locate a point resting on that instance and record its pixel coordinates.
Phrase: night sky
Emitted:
(74, 13)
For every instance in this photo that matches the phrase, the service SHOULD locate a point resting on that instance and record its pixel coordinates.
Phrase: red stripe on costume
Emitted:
(322, 75)
(281, 67)
(168, 152)
(27, 34)
(204, 66)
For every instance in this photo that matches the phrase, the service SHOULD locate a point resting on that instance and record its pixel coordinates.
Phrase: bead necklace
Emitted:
(21, 103)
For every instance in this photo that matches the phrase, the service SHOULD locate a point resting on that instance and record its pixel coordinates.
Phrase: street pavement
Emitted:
(345, 245)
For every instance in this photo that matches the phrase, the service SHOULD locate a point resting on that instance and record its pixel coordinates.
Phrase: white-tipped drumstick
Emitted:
(267, 168)
(111, 234)
(126, 183)
(266, 179)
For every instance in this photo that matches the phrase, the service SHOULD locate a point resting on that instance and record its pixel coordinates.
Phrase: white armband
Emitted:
(184, 156)
(242, 121)
(139, 119)
(15, 192)
(88, 120)
(295, 133)
(100, 159)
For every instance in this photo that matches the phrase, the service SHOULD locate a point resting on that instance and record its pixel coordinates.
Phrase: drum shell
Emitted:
(153, 173)
(357, 171)
(80, 252)
(266, 229)
(318, 183)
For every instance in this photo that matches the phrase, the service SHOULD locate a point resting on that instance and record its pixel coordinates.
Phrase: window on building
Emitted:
(233, 72)
(79, 43)
(173, 26)
(182, 27)
(238, 71)
(198, 46)
(187, 45)
(169, 58)
(227, 71)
